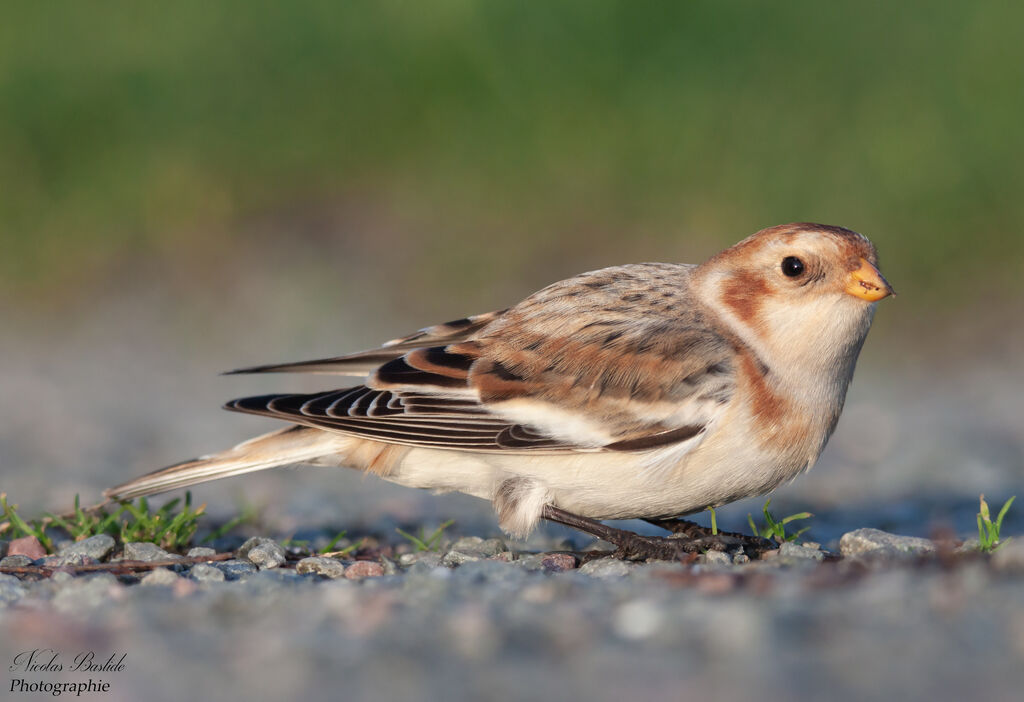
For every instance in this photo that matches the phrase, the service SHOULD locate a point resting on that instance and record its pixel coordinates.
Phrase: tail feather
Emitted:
(295, 444)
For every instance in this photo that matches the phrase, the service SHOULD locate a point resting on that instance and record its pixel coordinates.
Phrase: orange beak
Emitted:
(867, 283)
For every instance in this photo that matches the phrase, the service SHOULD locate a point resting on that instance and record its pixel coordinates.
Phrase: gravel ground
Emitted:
(895, 617)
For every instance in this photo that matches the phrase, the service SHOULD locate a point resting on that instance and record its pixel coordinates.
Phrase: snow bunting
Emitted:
(651, 390)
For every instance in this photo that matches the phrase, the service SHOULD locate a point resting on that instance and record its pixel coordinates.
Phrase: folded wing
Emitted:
(614, 360)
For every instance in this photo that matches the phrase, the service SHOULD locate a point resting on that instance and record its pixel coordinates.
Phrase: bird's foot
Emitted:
(692, 530)
(688, 538)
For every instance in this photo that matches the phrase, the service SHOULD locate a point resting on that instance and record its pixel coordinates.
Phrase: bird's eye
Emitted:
(792, 266)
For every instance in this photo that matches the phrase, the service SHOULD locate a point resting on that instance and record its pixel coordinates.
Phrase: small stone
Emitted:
(717, 558)
(607, 568)
(531, 562)
(160, 576)
(558, 562)
(68, 559)
(740, 559)
(1009, 558)
(427, 564)
(11, 588)
(61, 576)
(430, 559)
(364, 569)
(321, 565)
(877, 543)
(145, 551)
(263, 552)
(456, 558)
(97, 547)
(390, 566)
(476, 546)
(805, 551)
(204, 572)
(26, 546)
(201, 552)
(16, 561)
(968, 546)
(236, 569)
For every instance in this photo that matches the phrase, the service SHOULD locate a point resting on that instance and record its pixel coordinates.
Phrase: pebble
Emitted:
(96, 547)
(557, 562)
(16, 561)
(204, 572)
(160, 576)
(262, 552)
(531, 562)
(877, 543)
(201, 552)
(607, 568)
(477, 546)
(429, 563)
(26, 546)
(968, 546)
(805, 551)
(68, 559)
(1009, 558)
(472, 548)
(431, 559)
(236, 569)
(716, 558)
(321, 565)
(456, 558)
(364, 569)
(11, 589)
(145, 551)
(61, 576)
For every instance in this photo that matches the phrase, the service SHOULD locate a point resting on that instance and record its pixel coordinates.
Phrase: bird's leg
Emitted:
(634, 546)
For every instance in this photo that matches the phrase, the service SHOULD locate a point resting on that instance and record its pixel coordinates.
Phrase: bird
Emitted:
(642, 391)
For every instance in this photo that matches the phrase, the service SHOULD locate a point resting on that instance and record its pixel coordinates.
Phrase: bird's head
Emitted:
(803, 293)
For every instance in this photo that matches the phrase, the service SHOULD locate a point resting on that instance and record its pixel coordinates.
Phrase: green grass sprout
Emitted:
(164, 527)
(988, 531)
(20, 528)
(295, 543)
(250, 513)
(424, 542)
(328, 550)
(82, 524)
(773, 529)
(714, 521)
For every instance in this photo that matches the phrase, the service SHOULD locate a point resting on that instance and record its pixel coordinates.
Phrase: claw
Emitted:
(688, 538)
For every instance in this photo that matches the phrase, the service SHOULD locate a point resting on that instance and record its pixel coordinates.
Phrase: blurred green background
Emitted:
(450, 147)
